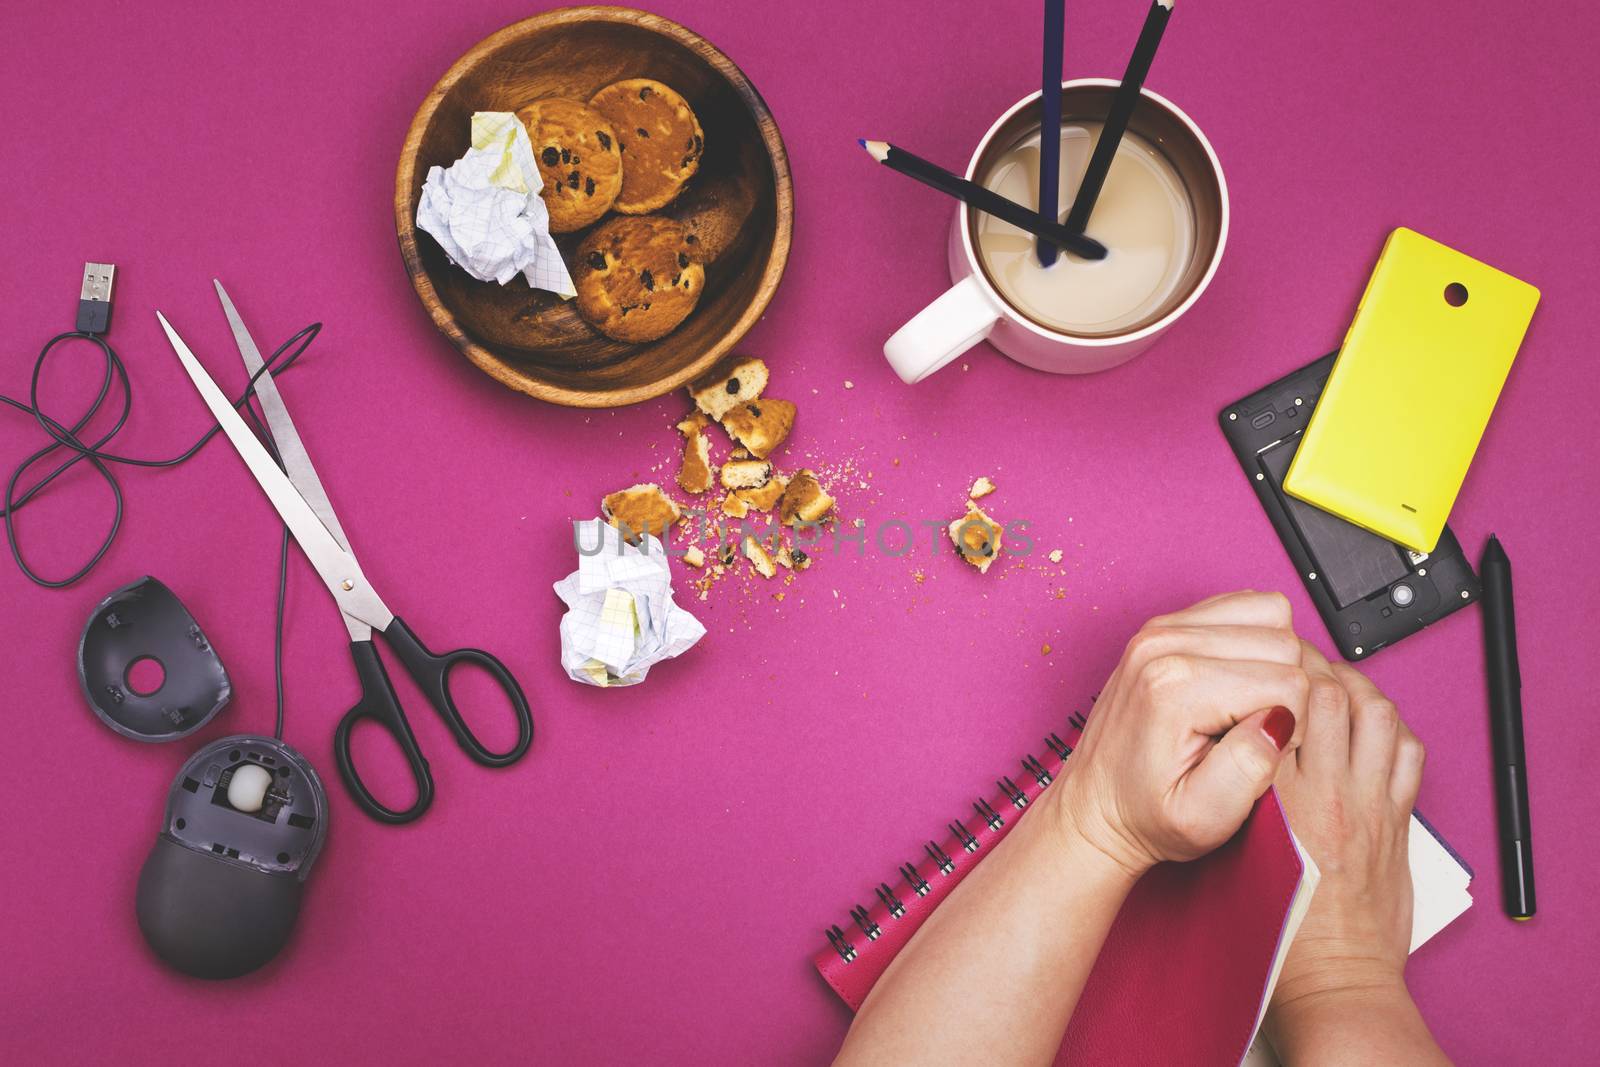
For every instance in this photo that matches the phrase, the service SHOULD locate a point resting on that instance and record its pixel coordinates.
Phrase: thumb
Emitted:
(1239, 768)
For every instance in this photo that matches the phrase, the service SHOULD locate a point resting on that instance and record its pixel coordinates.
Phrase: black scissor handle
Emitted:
(431, 672)
(379, 704)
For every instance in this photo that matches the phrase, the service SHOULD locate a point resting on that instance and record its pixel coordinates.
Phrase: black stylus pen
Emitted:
(1505, 731)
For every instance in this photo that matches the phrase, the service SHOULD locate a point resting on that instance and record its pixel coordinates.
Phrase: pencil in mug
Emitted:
(985, 200)
(1050, 109)
(1122, 105)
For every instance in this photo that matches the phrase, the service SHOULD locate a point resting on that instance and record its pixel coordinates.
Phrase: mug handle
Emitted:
(943, 330)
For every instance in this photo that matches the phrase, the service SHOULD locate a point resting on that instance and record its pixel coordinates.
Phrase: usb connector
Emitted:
(94, 301)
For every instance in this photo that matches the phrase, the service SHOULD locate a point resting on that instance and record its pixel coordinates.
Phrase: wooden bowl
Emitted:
(740, 203)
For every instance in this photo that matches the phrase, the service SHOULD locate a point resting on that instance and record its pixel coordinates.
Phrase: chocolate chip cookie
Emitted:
(661, 141)
(580, 160)
(637, 278)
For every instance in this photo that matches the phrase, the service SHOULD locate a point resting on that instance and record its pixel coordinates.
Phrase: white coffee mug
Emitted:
(972, 310)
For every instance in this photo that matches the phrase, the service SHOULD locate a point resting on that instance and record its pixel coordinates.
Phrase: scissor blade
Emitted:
(296, 461)
(338, 568)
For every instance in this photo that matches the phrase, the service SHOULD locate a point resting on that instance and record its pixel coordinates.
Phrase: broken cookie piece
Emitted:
(759, 558)
(746, 473)
(763, 497)
(733, 381)
(692, 422)
(694, 557)
(794, 559)
(981, 488)
(734, 506)
(804, 500)
(976, 537)
(761, 425)
(694, 475)
(640, 509)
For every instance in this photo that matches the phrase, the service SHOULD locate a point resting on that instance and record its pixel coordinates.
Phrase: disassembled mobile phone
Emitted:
(1412, 390)
(1369, 591)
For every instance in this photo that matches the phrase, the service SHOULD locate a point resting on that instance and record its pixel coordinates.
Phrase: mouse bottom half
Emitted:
(211, 917)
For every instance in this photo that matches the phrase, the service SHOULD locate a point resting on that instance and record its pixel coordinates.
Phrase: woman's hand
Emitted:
(1188, 732)
(1348, 792)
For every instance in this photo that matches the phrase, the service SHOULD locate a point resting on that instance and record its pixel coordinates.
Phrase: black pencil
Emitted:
(985, 200)
(1050, 119)
(1122, 105)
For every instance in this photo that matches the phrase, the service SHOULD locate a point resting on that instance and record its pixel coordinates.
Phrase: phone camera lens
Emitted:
(1402, 595)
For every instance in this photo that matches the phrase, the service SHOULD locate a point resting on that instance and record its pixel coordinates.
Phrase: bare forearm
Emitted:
(1352, 1028)
(1001, 963)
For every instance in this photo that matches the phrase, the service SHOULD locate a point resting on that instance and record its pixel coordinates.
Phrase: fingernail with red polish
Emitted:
(1279, 726)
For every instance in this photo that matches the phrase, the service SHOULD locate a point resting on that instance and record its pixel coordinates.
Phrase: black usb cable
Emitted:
(93, 322)
(94, 302)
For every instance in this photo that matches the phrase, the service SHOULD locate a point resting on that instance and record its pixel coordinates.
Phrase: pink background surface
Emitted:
(651, 881)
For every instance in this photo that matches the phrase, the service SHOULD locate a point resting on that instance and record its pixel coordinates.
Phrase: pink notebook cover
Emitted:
(1184, 968)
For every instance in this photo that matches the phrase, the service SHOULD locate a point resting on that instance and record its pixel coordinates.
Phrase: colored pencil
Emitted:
(1122, 105)
(1055, 28)
(981, 199)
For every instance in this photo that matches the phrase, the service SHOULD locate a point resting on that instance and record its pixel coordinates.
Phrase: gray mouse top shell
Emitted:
(220, 891)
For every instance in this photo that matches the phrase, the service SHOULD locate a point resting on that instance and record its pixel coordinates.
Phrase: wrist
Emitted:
(1301, 1019)
(1334, 988)
(1085, 831)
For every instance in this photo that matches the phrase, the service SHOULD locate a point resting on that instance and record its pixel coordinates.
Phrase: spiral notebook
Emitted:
(1202, 942)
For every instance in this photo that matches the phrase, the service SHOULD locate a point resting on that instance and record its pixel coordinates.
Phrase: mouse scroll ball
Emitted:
(247, 790)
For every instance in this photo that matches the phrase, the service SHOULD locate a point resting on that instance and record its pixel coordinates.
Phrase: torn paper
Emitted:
(486, 213)
(621, 619)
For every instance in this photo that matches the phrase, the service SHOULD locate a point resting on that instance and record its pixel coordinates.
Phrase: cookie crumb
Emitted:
(694, 474)
(745, 473)
(1044, 650)
(981, 488)
(733, 381)
(1055, 555)
(640, 509)
(694, 557)
(760, 426)
(763, 497)
(976, 537)
(848, 384)
(759, 558)
(804, 500)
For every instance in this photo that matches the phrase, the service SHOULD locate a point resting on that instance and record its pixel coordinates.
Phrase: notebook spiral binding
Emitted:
(915, 881)
(887, 898)
(840, 945)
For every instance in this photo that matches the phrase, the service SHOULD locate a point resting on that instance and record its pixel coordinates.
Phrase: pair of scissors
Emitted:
(297, 493)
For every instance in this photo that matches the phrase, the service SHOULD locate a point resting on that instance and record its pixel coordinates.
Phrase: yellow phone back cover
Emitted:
(1412, 390)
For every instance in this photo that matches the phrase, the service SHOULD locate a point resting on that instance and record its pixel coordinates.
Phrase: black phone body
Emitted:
(1369, 591)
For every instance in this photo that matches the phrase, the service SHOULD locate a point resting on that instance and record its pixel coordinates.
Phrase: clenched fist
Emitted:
(1188, 731)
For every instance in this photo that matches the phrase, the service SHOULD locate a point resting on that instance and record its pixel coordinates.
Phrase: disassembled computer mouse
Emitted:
(144, 626)
(220, 892)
